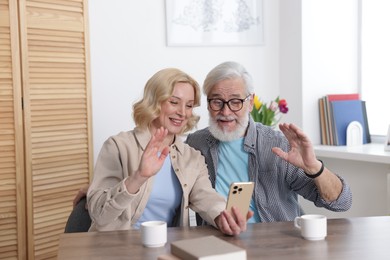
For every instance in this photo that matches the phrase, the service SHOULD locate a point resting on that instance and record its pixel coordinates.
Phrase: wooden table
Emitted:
(349, 238)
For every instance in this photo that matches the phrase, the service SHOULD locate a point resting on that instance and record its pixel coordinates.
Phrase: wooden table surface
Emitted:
(349, 238)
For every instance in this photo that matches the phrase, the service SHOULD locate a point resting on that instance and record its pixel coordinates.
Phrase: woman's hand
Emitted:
(154, 155)
(151, 161)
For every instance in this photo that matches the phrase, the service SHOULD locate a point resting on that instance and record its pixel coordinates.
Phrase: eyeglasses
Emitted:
(234, 104)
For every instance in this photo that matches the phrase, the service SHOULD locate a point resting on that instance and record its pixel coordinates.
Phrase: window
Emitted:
(375, 63)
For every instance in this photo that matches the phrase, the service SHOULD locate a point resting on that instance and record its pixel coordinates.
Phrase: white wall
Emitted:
(128, 45)
(290, 31)
(329, 55)
(310, 50)
(318, 55)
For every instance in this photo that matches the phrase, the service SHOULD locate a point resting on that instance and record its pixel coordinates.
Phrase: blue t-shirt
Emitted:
(165, 196)
(233, 167)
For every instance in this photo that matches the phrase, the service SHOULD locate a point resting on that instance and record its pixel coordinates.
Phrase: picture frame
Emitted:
(387, 143)
(214, 23)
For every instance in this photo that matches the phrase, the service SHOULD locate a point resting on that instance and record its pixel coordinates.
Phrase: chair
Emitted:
(79, 219)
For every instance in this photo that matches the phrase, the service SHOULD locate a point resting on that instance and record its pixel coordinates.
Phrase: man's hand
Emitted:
(232, 224)
(81, 194)
(302, 156)
(301, 153)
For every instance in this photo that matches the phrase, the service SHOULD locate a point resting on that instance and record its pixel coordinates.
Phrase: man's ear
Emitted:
(250, 101)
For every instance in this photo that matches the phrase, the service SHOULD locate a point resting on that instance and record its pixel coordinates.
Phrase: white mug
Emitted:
(154, 233)
(313, 227)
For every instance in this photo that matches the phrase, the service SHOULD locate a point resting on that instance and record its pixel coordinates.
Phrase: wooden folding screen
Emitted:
(45, 121)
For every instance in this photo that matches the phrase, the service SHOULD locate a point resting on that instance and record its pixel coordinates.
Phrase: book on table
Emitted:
(207, 248)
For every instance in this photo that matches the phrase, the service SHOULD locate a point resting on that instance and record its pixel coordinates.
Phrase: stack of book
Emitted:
(337, 111)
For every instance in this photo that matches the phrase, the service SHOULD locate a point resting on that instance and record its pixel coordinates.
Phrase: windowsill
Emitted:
(372, 152)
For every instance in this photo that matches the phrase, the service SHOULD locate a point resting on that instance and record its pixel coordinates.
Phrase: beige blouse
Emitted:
(110, 205)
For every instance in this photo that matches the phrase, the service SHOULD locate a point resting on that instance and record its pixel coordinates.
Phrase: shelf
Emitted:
(373, 152)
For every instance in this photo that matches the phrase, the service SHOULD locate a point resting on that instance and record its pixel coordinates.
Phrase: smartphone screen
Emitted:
(240, 194)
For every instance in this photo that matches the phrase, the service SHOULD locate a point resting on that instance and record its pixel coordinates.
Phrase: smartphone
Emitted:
(240, 194)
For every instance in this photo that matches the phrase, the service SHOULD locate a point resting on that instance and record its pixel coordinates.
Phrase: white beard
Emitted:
(222, 134)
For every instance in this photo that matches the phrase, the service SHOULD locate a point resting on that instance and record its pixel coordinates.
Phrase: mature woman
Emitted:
(149, 173)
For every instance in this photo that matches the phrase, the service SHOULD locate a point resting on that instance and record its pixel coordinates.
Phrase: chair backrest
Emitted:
(79, 219)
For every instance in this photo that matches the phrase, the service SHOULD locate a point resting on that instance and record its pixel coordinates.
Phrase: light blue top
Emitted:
(165, 197)
(233, 167)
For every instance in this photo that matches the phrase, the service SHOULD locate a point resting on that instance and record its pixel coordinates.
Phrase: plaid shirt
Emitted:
(277, 182)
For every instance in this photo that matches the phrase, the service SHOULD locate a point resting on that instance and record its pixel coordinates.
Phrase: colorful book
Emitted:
(365, 127)
(323, 123)
(343, 113)
(336, 97)
(329, 120)
(207, 247)
(351, 96)
(328, 130)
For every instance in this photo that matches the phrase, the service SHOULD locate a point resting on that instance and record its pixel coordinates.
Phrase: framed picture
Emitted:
(214, 23)
(387, 144)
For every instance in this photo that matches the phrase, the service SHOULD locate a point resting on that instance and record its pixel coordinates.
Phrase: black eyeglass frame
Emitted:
(223, 102)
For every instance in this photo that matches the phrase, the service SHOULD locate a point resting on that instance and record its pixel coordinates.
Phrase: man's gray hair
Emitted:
(227, 70)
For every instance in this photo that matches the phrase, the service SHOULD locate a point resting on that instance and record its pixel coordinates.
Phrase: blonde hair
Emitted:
(157, 90)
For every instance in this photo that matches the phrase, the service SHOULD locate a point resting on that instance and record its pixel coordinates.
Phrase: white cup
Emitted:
(313, 227)
(154, 233)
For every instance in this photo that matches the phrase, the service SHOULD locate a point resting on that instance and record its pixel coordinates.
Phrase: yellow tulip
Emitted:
(257, 102)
